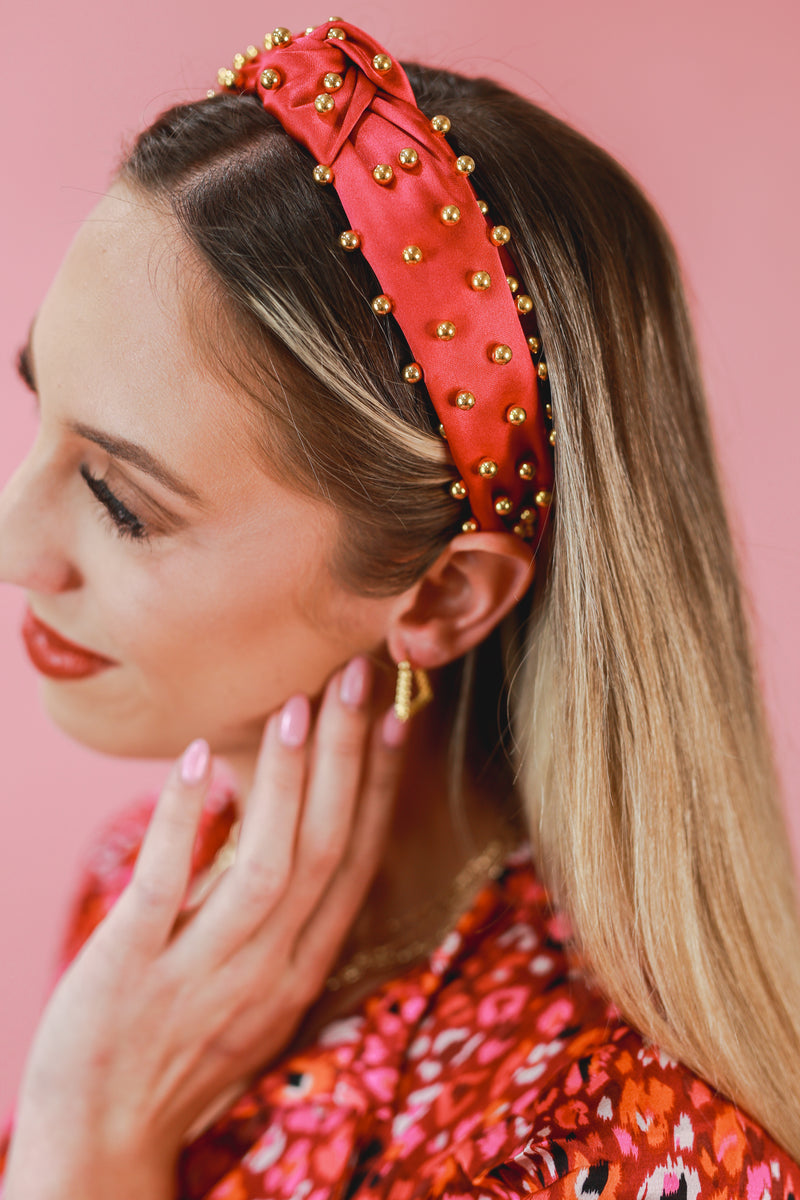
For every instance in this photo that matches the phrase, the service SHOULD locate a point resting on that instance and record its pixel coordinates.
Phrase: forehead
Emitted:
(113, 343)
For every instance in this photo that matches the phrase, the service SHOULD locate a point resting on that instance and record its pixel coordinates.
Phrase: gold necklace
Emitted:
(397, 951)
(224, 858)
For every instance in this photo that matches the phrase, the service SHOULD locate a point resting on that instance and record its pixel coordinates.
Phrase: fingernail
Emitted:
(393, 731)
(355, 683)
(295, 720)
(195, 761)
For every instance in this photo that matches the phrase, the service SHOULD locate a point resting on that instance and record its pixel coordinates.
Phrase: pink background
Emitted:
(697, 97)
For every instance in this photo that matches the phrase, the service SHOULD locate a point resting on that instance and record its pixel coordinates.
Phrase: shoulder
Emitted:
(108, 863)
(625, 1121)
(543, 1088)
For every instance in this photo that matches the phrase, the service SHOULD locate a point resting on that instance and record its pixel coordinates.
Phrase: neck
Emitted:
(430, 839)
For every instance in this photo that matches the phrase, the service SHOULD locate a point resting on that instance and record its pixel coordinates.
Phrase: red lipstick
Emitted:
(54, 656)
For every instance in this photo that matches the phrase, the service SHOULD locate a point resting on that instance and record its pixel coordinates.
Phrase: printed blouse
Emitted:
(490, 1071)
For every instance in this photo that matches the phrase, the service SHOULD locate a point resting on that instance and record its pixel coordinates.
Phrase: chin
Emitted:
(124, 726)
(119, 730)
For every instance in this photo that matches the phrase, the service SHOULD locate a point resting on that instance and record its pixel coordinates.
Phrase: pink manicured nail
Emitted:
(354, 687)
(295, 721)
(195, 761)
(394, 732)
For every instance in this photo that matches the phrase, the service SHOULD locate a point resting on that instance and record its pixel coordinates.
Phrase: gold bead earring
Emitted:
(407, 705)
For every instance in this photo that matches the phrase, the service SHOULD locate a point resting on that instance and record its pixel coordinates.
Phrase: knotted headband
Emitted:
(445, 268)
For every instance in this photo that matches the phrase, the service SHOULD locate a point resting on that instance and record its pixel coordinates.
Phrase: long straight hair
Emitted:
(629, 703)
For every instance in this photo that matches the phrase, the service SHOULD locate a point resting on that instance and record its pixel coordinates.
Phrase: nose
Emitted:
(33, 547)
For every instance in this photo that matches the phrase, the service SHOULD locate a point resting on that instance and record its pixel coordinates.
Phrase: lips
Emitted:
(56, 657)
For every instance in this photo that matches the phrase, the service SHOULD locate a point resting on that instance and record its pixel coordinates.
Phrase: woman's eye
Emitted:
(126, 524)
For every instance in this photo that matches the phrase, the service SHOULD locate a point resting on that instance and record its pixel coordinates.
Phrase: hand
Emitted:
(159, 1015)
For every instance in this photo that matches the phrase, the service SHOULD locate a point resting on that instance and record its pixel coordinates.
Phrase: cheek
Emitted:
(250, 624)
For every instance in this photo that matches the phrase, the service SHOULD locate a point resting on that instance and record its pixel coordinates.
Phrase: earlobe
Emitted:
(474, 583)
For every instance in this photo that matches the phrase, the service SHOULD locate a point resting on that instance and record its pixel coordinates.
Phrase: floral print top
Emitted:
(489, 1071)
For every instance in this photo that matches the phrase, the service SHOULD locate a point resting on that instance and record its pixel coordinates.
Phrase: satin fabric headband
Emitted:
(446, 272)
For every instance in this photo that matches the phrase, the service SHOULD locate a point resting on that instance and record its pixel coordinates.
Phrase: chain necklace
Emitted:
(224, 858)
(399, 950)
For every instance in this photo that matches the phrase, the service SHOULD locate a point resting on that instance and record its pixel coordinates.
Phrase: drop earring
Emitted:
(406, 705)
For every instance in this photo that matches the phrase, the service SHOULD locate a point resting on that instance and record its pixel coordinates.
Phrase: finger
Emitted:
(249, 891)
(339, 751)
(325, 827)
(320, 941)
(146, 911)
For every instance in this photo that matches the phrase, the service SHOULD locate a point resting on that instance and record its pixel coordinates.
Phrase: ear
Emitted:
(477, 579)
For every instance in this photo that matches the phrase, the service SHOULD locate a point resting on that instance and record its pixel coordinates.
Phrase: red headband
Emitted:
(447, 275)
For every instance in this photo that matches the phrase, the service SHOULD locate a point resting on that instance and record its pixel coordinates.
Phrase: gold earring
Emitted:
(406, 705)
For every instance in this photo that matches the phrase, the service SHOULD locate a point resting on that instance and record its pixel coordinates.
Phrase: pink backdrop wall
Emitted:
(698, 98)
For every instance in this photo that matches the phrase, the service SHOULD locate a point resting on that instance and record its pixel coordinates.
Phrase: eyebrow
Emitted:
(119, 447)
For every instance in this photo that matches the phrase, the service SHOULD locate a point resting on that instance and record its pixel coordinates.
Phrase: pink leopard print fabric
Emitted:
(490, 1071)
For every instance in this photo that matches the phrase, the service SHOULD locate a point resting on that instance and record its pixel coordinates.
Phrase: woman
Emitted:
(334, 454)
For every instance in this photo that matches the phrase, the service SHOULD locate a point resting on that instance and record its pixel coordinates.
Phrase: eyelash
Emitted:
(126, 524)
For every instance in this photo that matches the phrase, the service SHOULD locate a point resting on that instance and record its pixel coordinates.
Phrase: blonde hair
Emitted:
(637, 733)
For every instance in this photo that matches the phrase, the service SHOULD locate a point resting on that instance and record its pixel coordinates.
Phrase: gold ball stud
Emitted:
(480, 281)
(500, 234)
(487, 468)
(211, 93)
(350, 240)
(412, 254)
(251, 52)
(271, 79)
(281, 36)
(543, 498)
(503, 506)
(322, 174)
(383, 173)
(470, 526)
(323, 103)
(239, 61)
(226, 77)
(382, 63)
(525, 470)
(440, 124)
(548, 411)
(309, 29)
(450, 214)
(501, 354)
(337, 34)
(534, 345)
(465, 401)
(541, 370)
(465, 164)
(513, 284)
(483, 206)
(332, 81)
(412, 373)
(527, 515)
(442, 432)
(524, 304)
(458, 490)
(552, 438)
(445, 331)
(382, 305)
(408, 157)
(516, 415)
(267, 41)
(520, 531)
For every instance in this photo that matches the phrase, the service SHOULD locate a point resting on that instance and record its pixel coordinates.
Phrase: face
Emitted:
(213, 601)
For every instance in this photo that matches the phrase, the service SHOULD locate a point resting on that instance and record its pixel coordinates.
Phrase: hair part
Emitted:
(625, 683)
